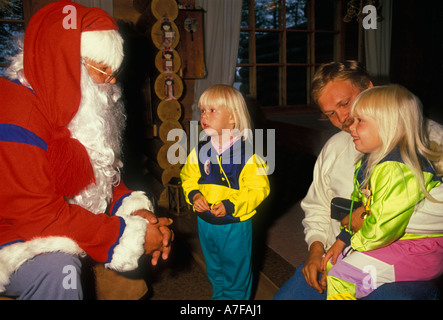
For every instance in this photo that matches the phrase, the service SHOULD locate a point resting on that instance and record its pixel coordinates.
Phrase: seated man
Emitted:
(334, 88)
(61, 125)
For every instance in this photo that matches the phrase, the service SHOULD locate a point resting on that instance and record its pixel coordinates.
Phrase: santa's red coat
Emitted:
(34, 214)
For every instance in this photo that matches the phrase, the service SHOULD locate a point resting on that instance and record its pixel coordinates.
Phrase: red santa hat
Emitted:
(52, 65)
(103, 47)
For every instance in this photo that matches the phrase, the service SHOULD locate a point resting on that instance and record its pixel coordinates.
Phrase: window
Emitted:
(12, 23)
(281, 43)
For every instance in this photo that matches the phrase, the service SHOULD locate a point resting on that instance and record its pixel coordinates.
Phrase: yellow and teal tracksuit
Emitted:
(237, 178)
(382, 251)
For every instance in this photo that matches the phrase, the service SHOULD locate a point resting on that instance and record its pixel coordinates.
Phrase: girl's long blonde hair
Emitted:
(400, 123)
(221, 95)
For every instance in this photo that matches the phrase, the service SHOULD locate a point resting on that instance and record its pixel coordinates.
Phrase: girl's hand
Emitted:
(357, 221)
(219, 210)
(333, 253)
(200, 203)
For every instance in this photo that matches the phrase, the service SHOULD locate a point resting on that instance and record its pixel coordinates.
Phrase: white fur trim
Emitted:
(14, 255)
(136, 201)
(103, 47)
(126, 253)
(130, 247)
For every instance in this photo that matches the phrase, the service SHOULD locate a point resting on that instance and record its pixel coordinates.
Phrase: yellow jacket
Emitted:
(237, 178)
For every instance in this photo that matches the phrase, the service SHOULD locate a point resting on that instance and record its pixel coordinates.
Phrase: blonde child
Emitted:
(225, 183)
(397, 170)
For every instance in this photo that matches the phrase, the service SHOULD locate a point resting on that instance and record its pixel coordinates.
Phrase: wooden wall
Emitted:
(143, 21)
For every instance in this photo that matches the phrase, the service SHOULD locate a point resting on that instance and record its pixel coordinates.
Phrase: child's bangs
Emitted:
(372, 102)
(363, 105)
(214, 97)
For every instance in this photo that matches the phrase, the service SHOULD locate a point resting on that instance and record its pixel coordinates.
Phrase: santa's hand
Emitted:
(148, 215)
(168, 237)
(158, 236)
(158, 240)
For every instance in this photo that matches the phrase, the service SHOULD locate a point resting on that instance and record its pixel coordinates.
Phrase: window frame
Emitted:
(311, 64)
(27, 13)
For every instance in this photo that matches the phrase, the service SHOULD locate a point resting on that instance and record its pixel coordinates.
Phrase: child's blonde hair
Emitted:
(221, 95)
(400, 123)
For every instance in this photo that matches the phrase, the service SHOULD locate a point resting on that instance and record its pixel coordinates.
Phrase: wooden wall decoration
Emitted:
(168, 87)
(191, 45)
(168, 60)
(165, 34)
(164, 9)
(169, 109)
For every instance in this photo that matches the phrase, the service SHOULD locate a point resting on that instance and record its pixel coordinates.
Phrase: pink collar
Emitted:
(224, 146)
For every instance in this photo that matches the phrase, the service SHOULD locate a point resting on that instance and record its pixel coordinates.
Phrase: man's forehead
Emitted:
(336, 93)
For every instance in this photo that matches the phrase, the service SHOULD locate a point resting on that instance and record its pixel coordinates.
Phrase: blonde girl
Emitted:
(225, 99)
(220, 180)
(398, 168)
(400, 122)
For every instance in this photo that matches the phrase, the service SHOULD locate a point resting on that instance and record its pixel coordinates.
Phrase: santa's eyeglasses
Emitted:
(109, 77)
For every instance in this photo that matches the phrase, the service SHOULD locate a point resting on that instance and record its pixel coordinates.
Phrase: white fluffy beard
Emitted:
(99, 125)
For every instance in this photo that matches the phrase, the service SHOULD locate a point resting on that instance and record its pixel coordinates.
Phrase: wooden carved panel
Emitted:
(191, 45)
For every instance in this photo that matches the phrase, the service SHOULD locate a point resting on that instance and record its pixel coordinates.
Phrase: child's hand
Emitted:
(200, 203)
(219, 210)
(357, 221)
(333, 253)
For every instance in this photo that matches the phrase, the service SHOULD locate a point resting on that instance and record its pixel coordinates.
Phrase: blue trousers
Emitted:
(227, 250)
(48, 276)
(296, 288)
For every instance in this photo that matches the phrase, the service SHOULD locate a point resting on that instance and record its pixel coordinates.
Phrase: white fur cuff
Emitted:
(130, 247)
(136, 201)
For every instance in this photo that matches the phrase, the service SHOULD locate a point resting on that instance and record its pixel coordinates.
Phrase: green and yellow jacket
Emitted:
(394, 193)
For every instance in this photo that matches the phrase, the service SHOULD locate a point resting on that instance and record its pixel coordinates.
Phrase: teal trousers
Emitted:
(227, 250)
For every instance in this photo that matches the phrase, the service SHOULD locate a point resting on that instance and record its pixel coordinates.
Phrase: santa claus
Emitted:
(61, 125)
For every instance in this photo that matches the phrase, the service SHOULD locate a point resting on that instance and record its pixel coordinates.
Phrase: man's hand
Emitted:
(158, 236)
(313, 266)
